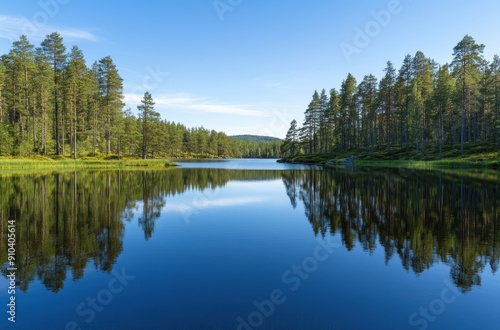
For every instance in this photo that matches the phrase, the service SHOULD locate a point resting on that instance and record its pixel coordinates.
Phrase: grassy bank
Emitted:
(473, 157)
(40, 162)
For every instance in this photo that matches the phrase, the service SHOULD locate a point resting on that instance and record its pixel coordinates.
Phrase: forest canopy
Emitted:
(53, 104)
(422, 108)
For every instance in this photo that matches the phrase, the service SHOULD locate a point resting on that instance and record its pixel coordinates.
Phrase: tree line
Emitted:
(422, 219)
(53, 103)
(421, 107)
(153, 136)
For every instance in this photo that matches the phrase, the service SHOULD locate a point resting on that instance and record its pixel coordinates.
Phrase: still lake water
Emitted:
(252, 244)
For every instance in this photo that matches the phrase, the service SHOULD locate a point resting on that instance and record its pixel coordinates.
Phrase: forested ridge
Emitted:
(53, 104)
(421, 111)
(254, 138)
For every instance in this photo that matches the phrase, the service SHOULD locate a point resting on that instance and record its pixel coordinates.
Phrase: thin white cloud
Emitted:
(210, 203)
(12, 28)
(197, 104)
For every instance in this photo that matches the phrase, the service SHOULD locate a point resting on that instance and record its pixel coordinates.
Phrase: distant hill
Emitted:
(254, 138)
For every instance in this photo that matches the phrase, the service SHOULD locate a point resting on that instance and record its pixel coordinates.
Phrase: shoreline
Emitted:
(13, 163)
(477, 161)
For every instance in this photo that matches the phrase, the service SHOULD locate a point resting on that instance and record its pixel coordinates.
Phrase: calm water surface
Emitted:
(252, 244)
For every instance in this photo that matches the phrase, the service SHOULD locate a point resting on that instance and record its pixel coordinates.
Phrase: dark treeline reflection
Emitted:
(66, 220)
(421, 217)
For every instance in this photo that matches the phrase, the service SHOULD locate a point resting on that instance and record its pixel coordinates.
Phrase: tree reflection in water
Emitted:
(67, 220)
(423, 217)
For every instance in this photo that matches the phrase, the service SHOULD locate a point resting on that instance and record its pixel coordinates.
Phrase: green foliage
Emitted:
(58, 215)
(413, 215)
(422, 113)
(291, 144)
(5, 137)
(475, 155)
(149, 120)
(98, 161)
(52, 103)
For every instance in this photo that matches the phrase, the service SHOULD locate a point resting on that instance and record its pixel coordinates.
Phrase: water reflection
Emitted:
(423, 218)
(66, 221)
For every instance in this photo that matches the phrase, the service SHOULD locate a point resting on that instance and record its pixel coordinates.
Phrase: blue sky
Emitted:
(249, 67)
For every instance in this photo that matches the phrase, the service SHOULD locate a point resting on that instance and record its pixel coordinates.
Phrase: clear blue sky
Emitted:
(250, 66)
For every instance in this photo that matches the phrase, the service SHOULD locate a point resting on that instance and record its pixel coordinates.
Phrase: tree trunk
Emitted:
(63, 127)
(95, 127)
(441, 133)
(389, 123)
(56, 110)
(464, 113)
(74, 131)
(44, 125)
(1, 106)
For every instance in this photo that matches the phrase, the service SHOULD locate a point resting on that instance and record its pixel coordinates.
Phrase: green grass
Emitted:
(41, 162)
(475, 156)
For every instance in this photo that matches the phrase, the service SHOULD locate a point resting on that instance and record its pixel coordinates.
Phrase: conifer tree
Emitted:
(387, 98)
(111, 89)
(55, 50)
(467, 56)
(77, 91)
(149, 118)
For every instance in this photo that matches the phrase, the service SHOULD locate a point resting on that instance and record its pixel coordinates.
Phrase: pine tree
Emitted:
(367, 92)
(421, 100)
(467, 57)
(94, 105)
(495, 77)
(148, 117)
(2, 87)
(111, 89)
(55, 50)
(23, 54)
(348, 112)
(332, 120)
(77, 91)
(483, 115)
(42, 85)
(289, 146)
(129, 141)
(387, 98)
(13, 96)
(311, 123)
(404, 92)
(322, 120)
(444, 95)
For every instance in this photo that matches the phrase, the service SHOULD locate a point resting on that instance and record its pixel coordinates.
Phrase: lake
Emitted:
(252, 244)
